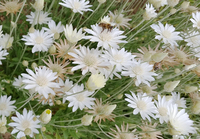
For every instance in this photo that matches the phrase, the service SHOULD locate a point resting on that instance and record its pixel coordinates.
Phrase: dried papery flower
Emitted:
(149, 131)
(102, 111)
(123, 133)
(10, 6)
(58, 66)
(181, 55)
(63, 49)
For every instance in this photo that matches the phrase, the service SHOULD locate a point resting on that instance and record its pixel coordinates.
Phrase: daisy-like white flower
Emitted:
(196, 19)
(105, 38)
(179, 122)
(79, 98)
(72, 35)
(6, 41)
(193, 39)
(40, 40)
(87, 60)
(10, 6)
(119, 19)
(150, 12)
(18, 82)
(25, 124)
(2, 54)
(77, 6)
(109, 72)
(178, 100)
(42, 18)
(166, 33)
(141, 71)
(54, 29)
(119, 58)
(162, 106)
(6, 106)
(141, 104)
(42, 81)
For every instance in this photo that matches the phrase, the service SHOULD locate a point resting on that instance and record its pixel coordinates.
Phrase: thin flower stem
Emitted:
(103, 131)
(67, 126)
(31, 97)
(90, 15)
(72, 17)
(52, 3)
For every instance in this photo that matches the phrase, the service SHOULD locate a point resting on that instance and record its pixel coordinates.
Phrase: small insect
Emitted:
(157, 66)
(107, 26)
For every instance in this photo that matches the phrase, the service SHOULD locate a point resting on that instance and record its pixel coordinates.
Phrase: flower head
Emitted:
(196, 20)
(105, 38)
(166, 33)
(42, 18)
(6, 106)
(18, 82)
(79, 6)
(42, 81)
(10, 6)
(6, 41)
(40, 40)
(25, 124)
(142, 72)
(150, 12)
(2, 54)
(141, 104)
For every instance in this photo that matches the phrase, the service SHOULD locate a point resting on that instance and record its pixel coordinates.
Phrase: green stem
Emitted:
(52, 3)
(72, 17)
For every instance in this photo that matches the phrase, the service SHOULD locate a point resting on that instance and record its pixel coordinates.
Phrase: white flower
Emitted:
(119, 19)
(141, 104)
(166, 33)
(196, 19)
(78, 98)
(40, 40)
(42, 81)
(6, 41)
(18, 82)
(109, 72)
(2, 54)
(141, 71)
(105, 38)
(158, 3)
(26, 123)
(87, 60)
(95, 81)
(79, 6)
(6, 106)
(193, 39)
(72, 35)
(118, 58)
(176, 99)
(54, 29)
(150, 12)
(1, 31)
(162, 105)
(42, 18)
(179, 122)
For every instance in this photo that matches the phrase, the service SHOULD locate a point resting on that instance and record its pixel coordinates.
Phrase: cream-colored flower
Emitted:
(95, 81)
(86, 119)
(10, 6)
(170, 86)
(45, 117)
(38, 5)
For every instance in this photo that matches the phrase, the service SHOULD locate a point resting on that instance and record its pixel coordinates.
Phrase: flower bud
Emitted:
(95, 81)
(3, 121)
(45, 117)
(190, 89)
(43, 129)
(25, 63)
(27, 131)
(13, 24)
(24, 137)
(58, 102)
(3, 129)
(177, 70)
(188, 67)
(170, 86)
(101, 1)
(158, 57)
(38, 5)
(33, 65)
(109, 109)
(86, 119)
(173, 11)
(172, 3)
(31, 30)
(52, 49)
(185, 5)
(56, 35)
(196, 107)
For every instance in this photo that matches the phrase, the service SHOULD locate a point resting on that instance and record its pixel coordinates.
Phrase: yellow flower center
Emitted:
(42, 81)
(90, 60)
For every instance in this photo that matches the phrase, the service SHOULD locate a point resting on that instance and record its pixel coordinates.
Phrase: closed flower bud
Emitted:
(25, 63)
(86, 119)
(43, 129)
(109, 109)
(170, 86)
(38, 5)
(177, 70)
(190, 89)
(196, 107)
(3, 121)
(185, 5)
(95, 81)
(52, 49)
(173, 11)
(27, 131)
(172, 3)
(58, 102)
(101, 1)
(45, 117)
(33, 65)
(13, 24)
(158, 57)
(3, 129)
(31, 30)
